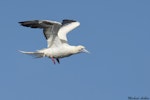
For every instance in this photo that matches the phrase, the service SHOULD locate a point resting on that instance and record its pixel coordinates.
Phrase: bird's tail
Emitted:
(34, 54)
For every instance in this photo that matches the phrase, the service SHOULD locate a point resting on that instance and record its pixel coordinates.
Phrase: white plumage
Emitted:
(56, 36)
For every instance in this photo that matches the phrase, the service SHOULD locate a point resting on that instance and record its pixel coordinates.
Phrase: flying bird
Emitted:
(56, 36)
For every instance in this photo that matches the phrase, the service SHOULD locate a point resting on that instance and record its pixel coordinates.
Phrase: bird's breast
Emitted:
(57, 52)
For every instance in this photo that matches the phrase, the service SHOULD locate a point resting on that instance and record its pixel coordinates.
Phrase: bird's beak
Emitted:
(86, 51)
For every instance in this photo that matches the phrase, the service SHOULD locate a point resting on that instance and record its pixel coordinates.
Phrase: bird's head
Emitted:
(81, 49)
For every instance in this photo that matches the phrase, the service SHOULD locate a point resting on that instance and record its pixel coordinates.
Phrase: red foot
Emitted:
(53, 60)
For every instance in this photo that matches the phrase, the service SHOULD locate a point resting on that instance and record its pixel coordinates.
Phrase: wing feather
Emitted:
(54, 32)
(67, 26)
(50, 29)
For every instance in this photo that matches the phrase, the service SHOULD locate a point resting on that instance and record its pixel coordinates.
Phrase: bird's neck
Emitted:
(74, 49)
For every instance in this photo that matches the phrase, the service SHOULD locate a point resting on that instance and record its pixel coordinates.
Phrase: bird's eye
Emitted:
(81, 49)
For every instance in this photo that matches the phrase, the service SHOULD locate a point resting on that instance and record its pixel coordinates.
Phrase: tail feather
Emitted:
(34, 54)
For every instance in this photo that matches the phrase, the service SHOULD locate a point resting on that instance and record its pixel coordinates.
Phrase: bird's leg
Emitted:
(58, 60)
(53, 60)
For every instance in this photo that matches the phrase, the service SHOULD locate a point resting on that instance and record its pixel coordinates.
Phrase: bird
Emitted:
(56, 36)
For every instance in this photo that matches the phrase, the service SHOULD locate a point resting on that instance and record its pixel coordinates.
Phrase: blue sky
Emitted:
(116, 32)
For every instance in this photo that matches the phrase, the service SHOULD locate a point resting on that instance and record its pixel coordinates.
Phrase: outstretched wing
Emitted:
(50, 30)
(67, 26)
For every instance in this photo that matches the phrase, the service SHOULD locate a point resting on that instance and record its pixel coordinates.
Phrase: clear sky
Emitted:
(116, 32)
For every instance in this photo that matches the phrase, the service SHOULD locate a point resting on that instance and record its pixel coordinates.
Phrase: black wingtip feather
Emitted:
(32, 24)
(67, 21)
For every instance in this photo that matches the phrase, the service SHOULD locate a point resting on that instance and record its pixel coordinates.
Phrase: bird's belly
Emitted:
(56, 53)
(61, 54)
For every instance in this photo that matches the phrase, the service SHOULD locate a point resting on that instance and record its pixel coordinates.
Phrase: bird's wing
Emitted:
(50, 30)
(67, 26)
